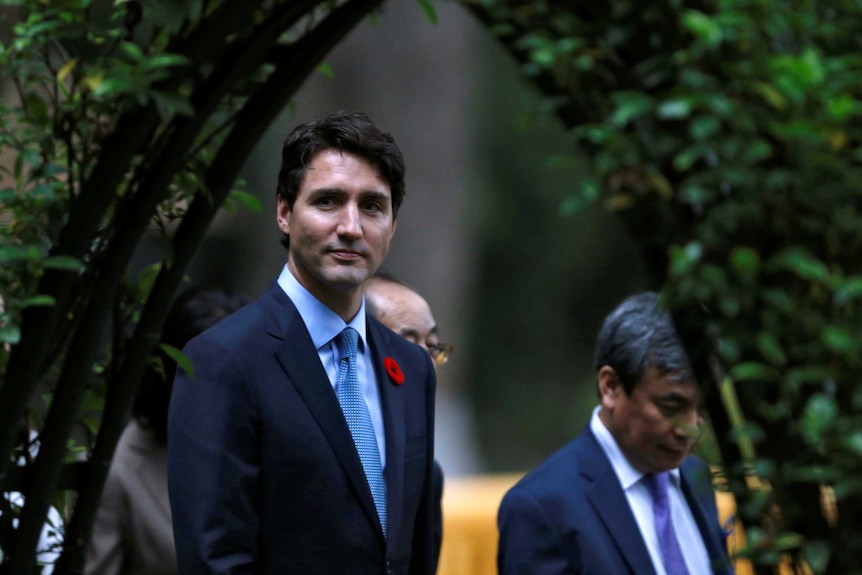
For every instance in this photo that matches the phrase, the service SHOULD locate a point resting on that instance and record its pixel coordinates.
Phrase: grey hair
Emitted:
(638, 335)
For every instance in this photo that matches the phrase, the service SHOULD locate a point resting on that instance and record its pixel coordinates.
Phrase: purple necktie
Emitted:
(671, 554)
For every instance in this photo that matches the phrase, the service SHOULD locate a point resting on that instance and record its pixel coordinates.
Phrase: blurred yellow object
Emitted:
(470, 525)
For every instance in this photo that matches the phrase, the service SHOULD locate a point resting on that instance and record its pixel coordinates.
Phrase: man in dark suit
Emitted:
(625, 496)
(405, 312)
(303, 443)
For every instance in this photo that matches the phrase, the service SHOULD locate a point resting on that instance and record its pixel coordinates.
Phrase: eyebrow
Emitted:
(677, 398)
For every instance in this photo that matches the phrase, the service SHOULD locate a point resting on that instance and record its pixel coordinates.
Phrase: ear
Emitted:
(610, 387)
(282, 215)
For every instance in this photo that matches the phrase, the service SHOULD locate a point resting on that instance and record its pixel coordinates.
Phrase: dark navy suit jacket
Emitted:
(571, 516)
(263, 473)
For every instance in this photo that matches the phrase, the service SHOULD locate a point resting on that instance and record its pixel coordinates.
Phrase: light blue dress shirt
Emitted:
(324, 325)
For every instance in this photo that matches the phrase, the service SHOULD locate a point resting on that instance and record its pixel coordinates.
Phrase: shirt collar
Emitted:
(322, 323)
(626, 472)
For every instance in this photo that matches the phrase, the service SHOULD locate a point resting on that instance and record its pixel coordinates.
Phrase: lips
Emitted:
(674, 452)
(346, 254)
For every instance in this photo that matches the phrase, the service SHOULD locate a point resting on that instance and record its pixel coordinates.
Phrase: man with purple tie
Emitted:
(625, 496)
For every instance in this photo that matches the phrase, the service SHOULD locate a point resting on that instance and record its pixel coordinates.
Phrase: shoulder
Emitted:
(245, 329)
(557, 476)
(699, 477)
(696, 470)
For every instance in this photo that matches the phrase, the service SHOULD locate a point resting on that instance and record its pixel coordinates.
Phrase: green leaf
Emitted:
(753, 371)
(674, 109)
(39, 300)
(18, 253)
(64, 263)
(816, 555)
(841, 107)
(250, 201)
(132, 50)
(106, 86)
(807, 374)
(37, 108)
(684, 259)
(809, 67)
(147, 278)
(787, 541)
(703, 127)
(164, 61)
(839, 340)
(820, 412)
(10, 334)
(757, 151)
(326, 70)
(801, 263)
(770, 349)
(429, 10)
(178, 356)
(630, 105)
(748, 432)
(702, 26)
(850, 288)
(853, 442)
(745, 260)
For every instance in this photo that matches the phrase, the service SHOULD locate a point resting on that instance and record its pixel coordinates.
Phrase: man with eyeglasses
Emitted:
(408, 314)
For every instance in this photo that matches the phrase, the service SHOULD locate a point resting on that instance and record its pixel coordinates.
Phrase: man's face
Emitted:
(404, 311)
(340, 225)
(655, 426)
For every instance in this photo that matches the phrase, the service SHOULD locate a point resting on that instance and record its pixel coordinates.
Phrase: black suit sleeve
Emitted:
(529, 542)
(214, 464)
(437, 482)
(424, 553)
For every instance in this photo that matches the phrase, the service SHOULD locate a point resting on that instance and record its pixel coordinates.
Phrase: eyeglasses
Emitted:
(440, 353)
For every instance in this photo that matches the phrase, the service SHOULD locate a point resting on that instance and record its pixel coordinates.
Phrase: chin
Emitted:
(347, 281)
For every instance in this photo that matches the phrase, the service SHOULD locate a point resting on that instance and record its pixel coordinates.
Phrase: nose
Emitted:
(349, 223)
(687, 425)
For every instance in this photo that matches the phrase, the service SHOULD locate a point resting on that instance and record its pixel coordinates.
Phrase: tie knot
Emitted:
(347, 343)
(657, 484)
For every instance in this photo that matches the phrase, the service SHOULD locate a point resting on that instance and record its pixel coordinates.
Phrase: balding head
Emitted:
(403, 311)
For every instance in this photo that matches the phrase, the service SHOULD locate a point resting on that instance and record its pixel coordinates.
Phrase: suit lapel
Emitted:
(299, 359)
(692, 483)
(392, 405)
(610, 504)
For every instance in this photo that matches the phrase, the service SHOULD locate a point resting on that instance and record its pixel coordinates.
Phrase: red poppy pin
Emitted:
(394, 370)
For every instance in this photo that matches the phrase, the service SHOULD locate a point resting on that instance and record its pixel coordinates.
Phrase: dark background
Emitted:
(519, 276)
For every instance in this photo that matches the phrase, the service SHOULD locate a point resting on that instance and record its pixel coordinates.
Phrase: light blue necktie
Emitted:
(671, 553)
(358, 419)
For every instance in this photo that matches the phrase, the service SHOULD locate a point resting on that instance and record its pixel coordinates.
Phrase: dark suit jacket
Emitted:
(263, 473)
(571, 516)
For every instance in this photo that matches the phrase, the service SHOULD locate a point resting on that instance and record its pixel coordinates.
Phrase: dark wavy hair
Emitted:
(352, 132)
(193, 311)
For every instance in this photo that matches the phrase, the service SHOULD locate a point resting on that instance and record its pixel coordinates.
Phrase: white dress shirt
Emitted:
(640, 501)
(324, 325)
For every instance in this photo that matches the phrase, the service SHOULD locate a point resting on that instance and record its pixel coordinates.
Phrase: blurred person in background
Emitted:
(305, 442)
(132, 534)
(405, 312)
(625, 496)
